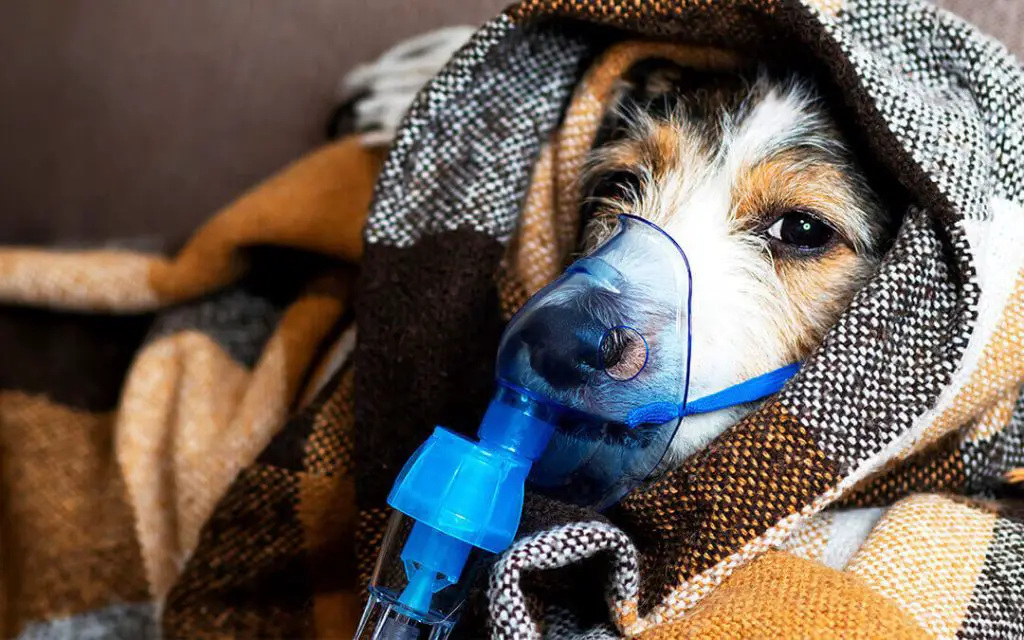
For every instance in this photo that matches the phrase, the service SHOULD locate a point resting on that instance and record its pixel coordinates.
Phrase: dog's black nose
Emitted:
(564, 344)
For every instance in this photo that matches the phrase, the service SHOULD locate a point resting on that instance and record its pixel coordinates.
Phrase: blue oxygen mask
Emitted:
(592, 382)
(607, 338)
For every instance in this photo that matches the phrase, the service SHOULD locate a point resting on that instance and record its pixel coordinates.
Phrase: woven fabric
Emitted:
(910, 393)
(142, 400)
(187, 441)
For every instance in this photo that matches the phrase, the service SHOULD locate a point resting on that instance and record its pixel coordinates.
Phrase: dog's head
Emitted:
(750, 175)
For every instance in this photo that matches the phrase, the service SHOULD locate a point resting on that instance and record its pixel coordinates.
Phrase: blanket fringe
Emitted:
(385, 88)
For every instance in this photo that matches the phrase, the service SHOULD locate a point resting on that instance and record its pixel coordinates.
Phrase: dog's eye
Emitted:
(801, 230)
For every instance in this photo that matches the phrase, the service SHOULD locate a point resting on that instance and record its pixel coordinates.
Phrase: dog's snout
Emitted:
(564, 345)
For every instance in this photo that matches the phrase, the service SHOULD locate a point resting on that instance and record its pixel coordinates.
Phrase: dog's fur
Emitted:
(740, 168)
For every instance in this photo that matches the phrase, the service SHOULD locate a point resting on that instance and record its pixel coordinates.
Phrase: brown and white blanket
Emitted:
(188, 449)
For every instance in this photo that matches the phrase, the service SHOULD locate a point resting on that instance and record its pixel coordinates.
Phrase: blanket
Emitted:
(869, 498)
(201, 446)
(137, 390)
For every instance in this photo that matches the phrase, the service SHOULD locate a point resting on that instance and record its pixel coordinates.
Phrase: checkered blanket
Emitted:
(138, 393)
(188, 449)
(870, 498)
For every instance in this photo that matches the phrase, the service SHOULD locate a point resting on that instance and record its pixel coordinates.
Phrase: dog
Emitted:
(750, 173)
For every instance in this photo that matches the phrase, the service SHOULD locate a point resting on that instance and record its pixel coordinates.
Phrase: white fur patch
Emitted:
(737, 301)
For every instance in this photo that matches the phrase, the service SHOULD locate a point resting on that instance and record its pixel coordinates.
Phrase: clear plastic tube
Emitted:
(413, 599)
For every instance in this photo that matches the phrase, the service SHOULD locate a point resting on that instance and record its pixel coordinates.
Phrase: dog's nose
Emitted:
(564, 344)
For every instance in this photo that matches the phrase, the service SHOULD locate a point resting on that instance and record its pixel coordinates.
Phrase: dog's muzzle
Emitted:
(610, 336)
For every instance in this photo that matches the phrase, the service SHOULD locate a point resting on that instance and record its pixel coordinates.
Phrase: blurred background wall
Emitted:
(134, 118)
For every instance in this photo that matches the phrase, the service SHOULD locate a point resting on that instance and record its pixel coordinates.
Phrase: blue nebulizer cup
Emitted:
(592, 381)
(456, 503)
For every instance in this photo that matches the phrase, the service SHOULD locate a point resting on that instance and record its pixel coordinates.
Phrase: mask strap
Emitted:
(750, 390)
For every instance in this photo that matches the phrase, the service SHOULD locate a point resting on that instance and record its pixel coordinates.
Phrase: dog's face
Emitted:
(751, 177)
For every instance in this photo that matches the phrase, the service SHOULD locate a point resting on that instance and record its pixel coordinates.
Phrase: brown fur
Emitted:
(818, 288)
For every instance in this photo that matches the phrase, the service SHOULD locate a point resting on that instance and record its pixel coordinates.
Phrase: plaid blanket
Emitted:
(188, 449)
(862, 499)
(136, 391)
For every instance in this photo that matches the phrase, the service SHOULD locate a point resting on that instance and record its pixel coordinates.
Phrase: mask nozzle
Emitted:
(623, 353)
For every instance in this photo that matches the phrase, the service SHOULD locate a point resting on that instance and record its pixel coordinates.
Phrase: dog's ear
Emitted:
(654, 85)
(658, 87)
(650, 86)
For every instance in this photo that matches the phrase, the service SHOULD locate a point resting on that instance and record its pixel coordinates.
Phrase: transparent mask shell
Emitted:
(608, 336)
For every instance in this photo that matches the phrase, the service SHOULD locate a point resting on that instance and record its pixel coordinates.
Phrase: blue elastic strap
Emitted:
(747, 391)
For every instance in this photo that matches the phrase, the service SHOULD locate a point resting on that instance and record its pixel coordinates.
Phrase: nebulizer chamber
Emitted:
(609, 335)
(455, 503)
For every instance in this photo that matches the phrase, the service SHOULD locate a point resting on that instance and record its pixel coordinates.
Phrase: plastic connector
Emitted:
(452, 496)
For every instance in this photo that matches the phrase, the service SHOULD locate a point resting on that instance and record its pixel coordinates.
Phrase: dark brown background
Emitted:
(128, 118)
